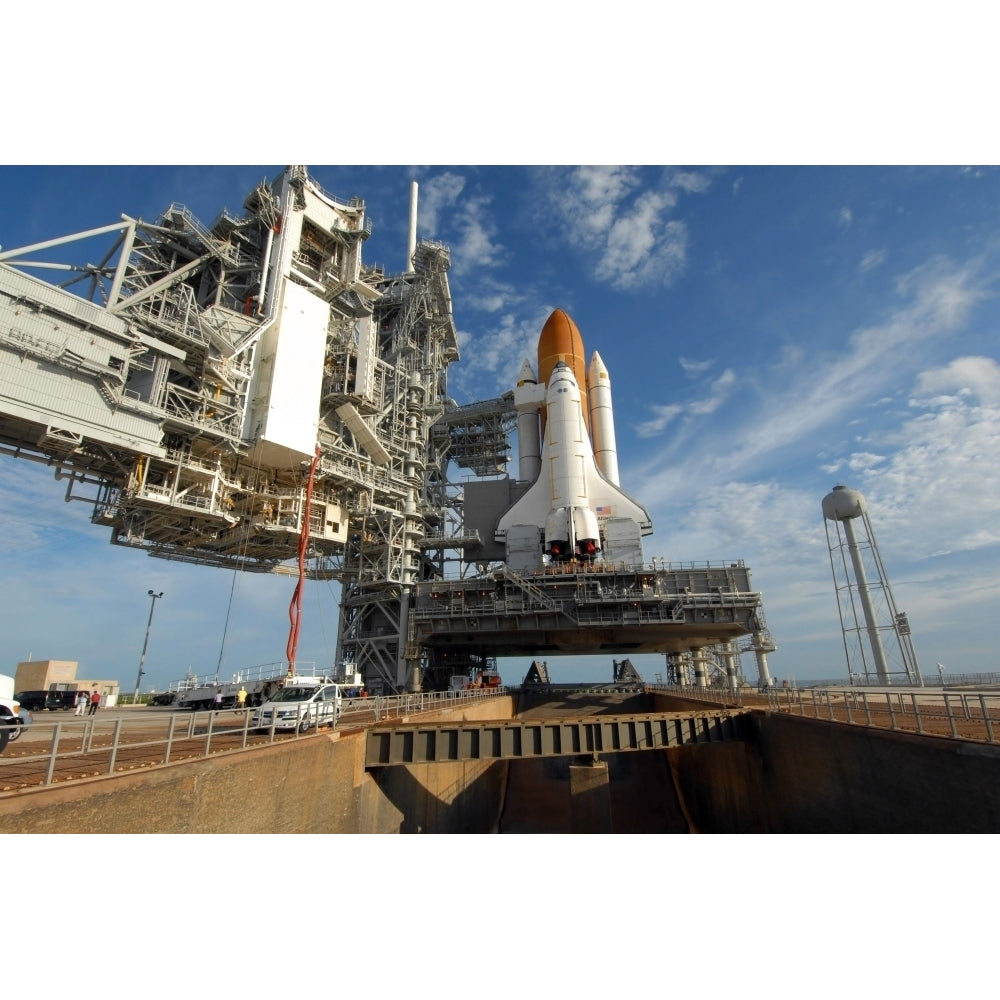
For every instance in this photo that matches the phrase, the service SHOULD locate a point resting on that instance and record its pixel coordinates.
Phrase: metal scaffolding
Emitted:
(183, 387)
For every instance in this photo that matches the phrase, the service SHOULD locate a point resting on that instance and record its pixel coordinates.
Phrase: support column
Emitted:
(729, 658)
(677, 669)
(763, 674)
(700, 668)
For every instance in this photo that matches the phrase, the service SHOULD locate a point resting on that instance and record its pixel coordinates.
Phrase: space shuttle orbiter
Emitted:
(574, 508)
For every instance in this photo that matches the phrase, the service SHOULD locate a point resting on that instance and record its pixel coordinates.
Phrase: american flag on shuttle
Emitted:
(602, 509)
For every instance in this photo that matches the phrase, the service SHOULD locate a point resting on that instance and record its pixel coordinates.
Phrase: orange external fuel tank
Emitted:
(560, 340)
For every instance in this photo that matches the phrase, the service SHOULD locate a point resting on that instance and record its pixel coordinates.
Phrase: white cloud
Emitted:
(635, 243)
(844, 218)
(822, 395)
(446, 208)
(591, 195)
(977, 376)
(695, 367)
(943, 295)
(864, 461)
(871, 260)
(496, 356)
(939, 492)
(689, 181)
(940, 299)
(719, 390)
(476, 246)
(491, 296)
(776, 522)
(664, 415)
(436, 195)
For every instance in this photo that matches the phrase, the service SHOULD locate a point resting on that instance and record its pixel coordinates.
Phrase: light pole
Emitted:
(142, 659)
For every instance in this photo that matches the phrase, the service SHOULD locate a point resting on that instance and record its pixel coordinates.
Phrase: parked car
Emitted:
(35, 701)
(303, 703)
(14, 718)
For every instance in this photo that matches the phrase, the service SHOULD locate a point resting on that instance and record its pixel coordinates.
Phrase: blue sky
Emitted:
(769, 331)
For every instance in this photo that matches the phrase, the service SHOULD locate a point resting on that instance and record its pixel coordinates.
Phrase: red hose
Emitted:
(295, 608)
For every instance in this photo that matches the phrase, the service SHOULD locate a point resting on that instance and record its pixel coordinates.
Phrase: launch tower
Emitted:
(186, 391)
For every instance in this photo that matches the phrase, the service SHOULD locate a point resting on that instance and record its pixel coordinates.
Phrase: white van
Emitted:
(13, 719)
(302, 703)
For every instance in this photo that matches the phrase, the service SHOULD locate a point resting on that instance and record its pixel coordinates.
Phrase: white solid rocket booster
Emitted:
(529, 459)
(602, 419)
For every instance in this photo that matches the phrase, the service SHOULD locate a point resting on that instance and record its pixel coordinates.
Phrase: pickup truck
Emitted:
(13, 719)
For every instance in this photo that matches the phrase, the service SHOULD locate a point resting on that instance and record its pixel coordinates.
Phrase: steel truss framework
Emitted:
(146, 380)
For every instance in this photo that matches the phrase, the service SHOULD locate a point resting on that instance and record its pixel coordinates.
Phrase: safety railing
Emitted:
(970, 715)
(65, 750)
(715, 694)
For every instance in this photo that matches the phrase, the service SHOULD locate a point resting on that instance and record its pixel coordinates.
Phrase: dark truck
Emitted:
(35, 701)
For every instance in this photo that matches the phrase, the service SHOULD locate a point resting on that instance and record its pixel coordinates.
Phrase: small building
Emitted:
(60, 675)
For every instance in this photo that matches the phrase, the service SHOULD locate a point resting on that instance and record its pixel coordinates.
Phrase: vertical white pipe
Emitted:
(864, 593)
(411, 246)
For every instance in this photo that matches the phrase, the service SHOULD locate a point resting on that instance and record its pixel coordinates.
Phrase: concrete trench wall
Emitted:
(794, 775)
(838, 778)
(317, 784)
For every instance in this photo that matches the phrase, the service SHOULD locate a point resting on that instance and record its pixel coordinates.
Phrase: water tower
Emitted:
(864, 599)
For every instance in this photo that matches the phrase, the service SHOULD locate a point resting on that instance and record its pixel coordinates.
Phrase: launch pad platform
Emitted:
(597, 609)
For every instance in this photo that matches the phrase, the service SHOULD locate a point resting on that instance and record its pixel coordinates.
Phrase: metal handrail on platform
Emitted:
(93, 746)
(969, 715)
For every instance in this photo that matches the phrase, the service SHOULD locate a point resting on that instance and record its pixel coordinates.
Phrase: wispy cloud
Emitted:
(438, 194)
(695, 367)
(448, 209)
(635, 242)
(969, 376)
(938, 299)
(690, 181)
(477, 244)
(715, 395)
(496, 355)
(718, 391)
(829, 390)
(491, 296)
(663, 417)
(942, 472)
(871, 260)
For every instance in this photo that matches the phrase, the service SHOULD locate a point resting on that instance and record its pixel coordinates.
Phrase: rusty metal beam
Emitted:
(440, 742)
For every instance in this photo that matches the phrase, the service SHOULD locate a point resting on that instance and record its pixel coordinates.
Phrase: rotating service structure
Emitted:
(185, 391)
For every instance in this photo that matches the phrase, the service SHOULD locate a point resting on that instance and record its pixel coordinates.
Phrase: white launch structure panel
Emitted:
(285, 403)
